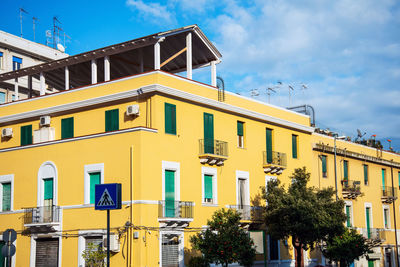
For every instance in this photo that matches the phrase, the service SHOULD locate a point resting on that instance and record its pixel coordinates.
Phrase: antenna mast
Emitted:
(56, 31)
(34, 19)
(21, 10)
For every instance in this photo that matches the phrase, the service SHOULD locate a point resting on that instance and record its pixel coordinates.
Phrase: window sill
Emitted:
(209, 204)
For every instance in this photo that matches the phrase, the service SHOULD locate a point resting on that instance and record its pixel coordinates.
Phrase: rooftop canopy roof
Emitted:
(124, 59)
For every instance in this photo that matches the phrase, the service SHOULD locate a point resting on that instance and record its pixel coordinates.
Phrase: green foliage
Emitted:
(94, 256)
(346, 248)
(305, 213)
(198, 261)
(225, 241)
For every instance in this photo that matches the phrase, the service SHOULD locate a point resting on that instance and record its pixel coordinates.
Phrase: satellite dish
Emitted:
(61, 47)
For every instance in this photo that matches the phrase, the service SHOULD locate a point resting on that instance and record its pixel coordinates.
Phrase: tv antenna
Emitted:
(359, 134)
(269, 91)
(290, 88)
(254, 92)
(21, 11)
(34, 20)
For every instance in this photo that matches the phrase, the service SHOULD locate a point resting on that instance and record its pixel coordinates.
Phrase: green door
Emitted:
(383, 179)
(208, 133)
(268, 134)
(348, 221)
(169, 194)
(367, 214)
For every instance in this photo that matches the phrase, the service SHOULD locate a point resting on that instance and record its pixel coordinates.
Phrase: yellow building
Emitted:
(181, 150)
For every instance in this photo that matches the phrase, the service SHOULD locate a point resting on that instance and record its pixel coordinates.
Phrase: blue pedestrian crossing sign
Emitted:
(107, 197)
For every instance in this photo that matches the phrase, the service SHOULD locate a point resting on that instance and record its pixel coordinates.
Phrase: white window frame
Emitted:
(32, 258)
(47, 170)
(349, 203)
(386, 207)
(172, 166)
(88, 169)
(181, 256)
(368, 205)
(213, 173)
(246, 176)
(8, 178)
(81, 242)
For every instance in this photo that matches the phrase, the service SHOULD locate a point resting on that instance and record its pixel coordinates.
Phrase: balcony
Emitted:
(374, 234)
(351, 189)
(253, 214)
(175, 213)
(42, 219)
(213, 152)
(389, 194)
(274, 163)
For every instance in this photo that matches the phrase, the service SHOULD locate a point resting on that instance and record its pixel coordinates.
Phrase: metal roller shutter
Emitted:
(47, 252)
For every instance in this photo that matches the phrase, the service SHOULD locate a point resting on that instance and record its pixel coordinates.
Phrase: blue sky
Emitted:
(347, 52)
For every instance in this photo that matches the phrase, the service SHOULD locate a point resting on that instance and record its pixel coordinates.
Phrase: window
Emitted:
(172, 248)
(87, 237)
(240, 134)
(67, 128)
(6, 192)
(242, 191)
(170, 118)
(368, 218)
(2, 97)
(324, 167)
(294, 146)
(208, 121)
(386, 218)
(365, 166)
(273, 248)
(345, 170)
(383, 179)
(1, 60)
(209, 183)
(112, 120)
(171, 188)
(17, 63)
(93, 174)
(348, 215)
(48, 191)
(268, 136)
(26, 135)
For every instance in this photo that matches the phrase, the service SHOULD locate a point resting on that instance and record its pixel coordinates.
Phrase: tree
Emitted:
(304, 213)
(224, 241)
(346, 248)
(94, 256)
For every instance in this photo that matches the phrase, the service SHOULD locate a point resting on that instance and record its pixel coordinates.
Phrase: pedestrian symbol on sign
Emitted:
(105, 199)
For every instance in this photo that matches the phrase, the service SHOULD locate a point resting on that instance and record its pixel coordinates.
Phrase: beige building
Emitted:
(17, 53)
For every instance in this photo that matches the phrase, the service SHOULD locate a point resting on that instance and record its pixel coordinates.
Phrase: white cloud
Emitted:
(153, 11)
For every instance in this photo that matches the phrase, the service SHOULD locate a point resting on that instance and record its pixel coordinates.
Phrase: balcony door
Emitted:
(169, 193)
(208, 133)
(268, 137)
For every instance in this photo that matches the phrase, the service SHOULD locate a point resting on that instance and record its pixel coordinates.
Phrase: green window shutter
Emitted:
(67, 128)
(294, 147)
(268, 134)
(208, 189)
(383, 179)
(169, 193)
(365, 174)
(6, 196)
(323, 159)
(367, 214)
(94, 179)
(240, 128)
(385, 214)
(48, 188)
(26, 135)
(345, 170)
(348, 222)
(170, 118)
(208, 133)
(112, 120)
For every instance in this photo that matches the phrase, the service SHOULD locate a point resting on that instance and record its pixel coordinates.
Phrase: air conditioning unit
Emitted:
(114, 243)
(44, 121)
(132, 110)
(7, 132)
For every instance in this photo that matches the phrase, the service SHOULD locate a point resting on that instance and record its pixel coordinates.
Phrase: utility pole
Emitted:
(394, 218)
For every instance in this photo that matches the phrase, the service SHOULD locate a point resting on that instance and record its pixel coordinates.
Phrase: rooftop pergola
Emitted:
(174, 51)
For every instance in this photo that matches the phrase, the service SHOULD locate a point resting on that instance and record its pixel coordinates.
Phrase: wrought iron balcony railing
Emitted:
(214, 147)
(374, 233)
(351, 185)
(389, 192)
(276, 158)
(175, 209)
(249, 213)
(42, 215)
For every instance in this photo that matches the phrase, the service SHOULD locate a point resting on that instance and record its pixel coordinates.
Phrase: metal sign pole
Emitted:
(108, 238)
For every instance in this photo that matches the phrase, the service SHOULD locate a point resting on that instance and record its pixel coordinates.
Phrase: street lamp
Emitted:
(334, 148)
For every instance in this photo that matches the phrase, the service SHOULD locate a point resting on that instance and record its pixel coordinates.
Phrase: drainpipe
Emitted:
(394, 219)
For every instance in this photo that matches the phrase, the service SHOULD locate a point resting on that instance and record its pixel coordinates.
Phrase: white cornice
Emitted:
(162, 89)
(135, 129)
